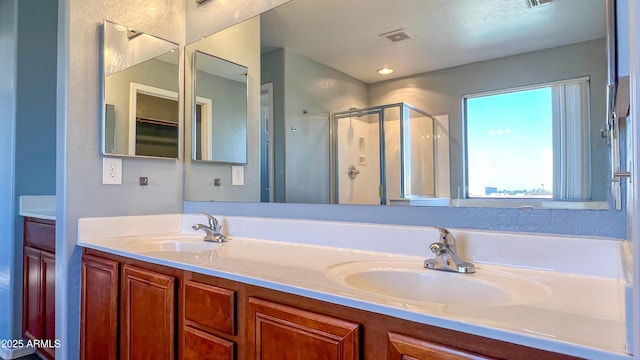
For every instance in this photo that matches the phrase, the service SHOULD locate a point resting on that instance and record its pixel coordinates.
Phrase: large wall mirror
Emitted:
(141, 103)
(495, 103)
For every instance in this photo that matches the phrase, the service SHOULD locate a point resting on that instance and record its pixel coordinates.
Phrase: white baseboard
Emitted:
(9, 354)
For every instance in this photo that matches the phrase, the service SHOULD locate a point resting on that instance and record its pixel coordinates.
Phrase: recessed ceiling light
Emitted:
(385, 71)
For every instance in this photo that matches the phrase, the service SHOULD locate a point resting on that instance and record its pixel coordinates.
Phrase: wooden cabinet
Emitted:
(166, 313)
(127, 312)
(48, 268)
(38, 291)
(402, 347)
(99, 312)
(148, 315)
(31, 310)
(283, 332)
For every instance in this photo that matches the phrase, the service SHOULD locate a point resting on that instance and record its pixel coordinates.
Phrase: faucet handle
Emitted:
(437, 248)
(213, 222)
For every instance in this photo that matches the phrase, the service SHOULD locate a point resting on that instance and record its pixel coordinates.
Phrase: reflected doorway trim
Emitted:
(267, 90)
(206, 128)
(134, 90)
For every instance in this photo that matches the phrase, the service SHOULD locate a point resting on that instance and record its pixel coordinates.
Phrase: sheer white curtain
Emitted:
(571, 139)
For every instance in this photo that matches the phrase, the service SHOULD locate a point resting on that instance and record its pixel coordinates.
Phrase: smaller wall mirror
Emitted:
(141, 104)
(220, 110)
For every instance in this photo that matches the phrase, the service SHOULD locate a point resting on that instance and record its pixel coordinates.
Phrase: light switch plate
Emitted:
(237, 175)
(111, 171)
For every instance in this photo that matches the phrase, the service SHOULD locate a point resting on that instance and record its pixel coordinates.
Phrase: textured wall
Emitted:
(79, 163)
(8, 56)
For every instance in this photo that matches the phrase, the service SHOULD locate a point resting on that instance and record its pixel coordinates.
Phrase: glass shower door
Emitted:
(357, 172)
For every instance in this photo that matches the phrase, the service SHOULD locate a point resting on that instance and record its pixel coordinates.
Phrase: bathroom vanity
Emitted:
(151, 286)
(166, 313)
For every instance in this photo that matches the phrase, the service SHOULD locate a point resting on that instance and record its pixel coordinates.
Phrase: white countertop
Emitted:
(579, 313)
(38, 206)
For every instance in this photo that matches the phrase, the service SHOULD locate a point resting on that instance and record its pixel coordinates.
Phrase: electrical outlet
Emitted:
(111, 171)
(237, 175)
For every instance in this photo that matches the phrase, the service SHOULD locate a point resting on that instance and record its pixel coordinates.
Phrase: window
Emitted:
(529, 142)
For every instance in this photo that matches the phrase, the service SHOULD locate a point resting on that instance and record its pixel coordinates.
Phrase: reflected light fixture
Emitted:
(385, 71)
(535, 3)
(132, 34)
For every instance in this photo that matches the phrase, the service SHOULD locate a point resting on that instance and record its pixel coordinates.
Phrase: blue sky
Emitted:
(509, 141)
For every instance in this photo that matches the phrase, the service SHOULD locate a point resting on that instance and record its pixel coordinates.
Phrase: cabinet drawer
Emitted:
(40, 234)
(210, 306)
(407, 347)
(200, 345)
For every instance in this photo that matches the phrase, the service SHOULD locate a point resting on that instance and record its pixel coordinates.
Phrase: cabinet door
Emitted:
(99, 314)
(282, 332)
(32, 315)
(402, 347)
(200, 345)
(148, 315)
(48, 268)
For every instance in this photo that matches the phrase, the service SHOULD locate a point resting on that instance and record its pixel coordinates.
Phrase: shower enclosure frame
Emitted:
(404, 157)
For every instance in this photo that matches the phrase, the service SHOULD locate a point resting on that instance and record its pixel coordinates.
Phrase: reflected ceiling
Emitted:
(449, 32)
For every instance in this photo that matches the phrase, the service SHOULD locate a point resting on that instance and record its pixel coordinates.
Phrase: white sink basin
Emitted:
(410, 282)
(173, 243)
(186, 249)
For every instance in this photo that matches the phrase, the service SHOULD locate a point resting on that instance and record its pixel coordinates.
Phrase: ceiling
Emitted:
(344, 34)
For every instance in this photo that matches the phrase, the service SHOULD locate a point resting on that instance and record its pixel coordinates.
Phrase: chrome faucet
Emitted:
(446, 257)
(212, 231)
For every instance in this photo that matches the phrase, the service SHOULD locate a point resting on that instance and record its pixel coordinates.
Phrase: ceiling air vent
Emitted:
(535, 3)
(396, 35)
